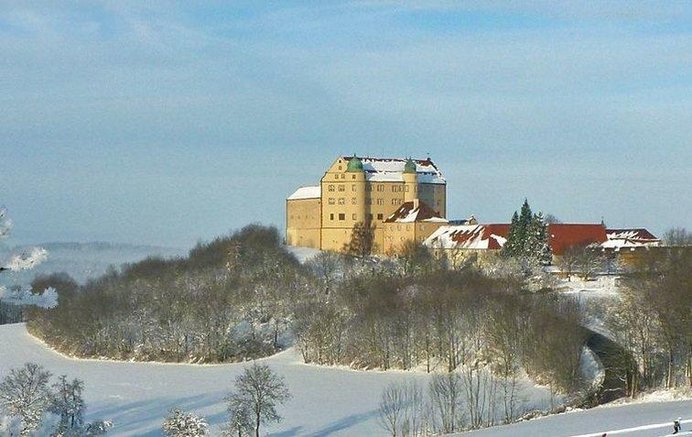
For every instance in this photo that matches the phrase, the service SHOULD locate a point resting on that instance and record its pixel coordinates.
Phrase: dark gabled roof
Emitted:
(409, 213)
(634, 234)
(491, 236)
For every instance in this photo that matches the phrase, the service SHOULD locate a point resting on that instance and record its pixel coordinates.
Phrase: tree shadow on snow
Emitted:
(344, 423)
(140, 415)
(288, 433)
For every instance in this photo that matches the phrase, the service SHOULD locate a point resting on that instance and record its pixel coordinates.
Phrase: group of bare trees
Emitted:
(27, 399)
(451, 321)
(652, 317)
(227, 301)
(583, 260)
(254, 401)
(453, 401)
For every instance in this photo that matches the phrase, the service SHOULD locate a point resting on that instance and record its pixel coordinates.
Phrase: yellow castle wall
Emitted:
(303, 222)
(348, 198)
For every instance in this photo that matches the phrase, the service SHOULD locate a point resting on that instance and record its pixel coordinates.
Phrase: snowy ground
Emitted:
(302, 253)
(601, 286)
(137, 396)
(635, 420)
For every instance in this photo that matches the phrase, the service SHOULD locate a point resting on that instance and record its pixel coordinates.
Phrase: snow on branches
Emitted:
(27, 260)
(24, 261)
(47, 299)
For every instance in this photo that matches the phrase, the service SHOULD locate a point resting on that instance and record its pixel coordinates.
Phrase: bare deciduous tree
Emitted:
(259, 390)
(25, 393)
(402, 410)
(445, 394)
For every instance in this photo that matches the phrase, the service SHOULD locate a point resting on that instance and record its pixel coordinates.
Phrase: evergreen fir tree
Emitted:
(525, 219)
(510, 246)
(540, 248)
(527, 239)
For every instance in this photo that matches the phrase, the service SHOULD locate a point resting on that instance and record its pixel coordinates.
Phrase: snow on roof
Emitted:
(492, 236)
(311, 192)
(391, 170)
(637, 234)
(629, 238)
(411, 212)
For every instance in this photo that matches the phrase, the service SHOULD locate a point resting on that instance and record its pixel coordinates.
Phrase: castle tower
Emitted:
(355, 176)
(410, 176)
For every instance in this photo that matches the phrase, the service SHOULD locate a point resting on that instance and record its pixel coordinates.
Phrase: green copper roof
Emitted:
(410, 166)
(354, 165)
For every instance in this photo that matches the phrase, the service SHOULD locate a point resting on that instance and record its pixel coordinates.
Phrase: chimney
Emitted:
(416, 203)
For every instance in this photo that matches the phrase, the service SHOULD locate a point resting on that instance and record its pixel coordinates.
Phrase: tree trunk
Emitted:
(669, 379)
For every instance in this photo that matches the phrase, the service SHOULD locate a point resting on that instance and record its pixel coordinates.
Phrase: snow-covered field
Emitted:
(137, 396)
(636, 420)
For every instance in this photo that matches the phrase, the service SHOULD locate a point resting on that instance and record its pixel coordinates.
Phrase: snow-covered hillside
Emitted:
(137, 396)
(302, 253)
(635, 420)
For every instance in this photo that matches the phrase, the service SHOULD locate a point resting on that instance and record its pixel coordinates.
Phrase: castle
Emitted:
(402, 199)
(406, 200)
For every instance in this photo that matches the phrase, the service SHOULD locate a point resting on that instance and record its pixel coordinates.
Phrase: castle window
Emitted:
(380, 187)
(353, 176)
(406, 188)
(354, 201)
(353, 216)
(342, 201)
(380, 216)
(342, 216)
(380, 201)
(331, 216)
(332, 201)
(343, 176)
(331, 187)
(353, 187)
(342, 188)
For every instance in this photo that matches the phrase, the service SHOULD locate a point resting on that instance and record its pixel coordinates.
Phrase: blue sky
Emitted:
(166, 123)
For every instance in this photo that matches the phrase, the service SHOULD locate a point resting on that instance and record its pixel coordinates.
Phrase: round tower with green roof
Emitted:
(354, 165)
(410, 176)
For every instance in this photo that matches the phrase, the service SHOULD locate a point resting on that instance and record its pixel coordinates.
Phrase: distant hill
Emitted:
(83, 260)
